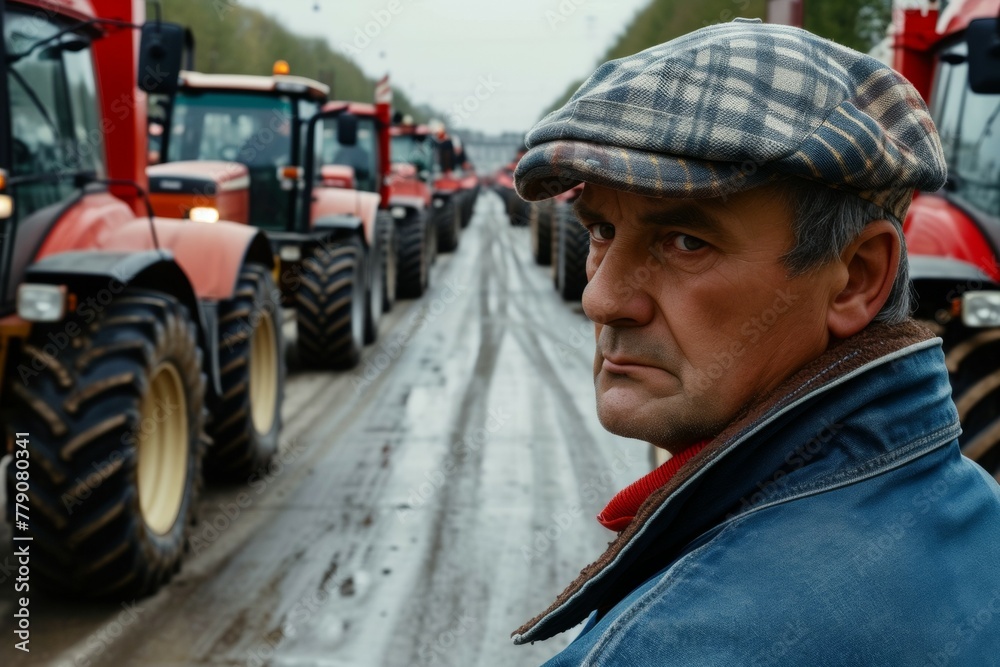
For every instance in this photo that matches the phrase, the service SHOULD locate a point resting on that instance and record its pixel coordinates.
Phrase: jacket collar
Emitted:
(724, 479)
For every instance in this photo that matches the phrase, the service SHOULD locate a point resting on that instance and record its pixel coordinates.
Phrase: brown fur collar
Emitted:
(874, 342)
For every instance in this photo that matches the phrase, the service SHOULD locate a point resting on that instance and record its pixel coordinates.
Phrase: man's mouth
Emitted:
(622, 365)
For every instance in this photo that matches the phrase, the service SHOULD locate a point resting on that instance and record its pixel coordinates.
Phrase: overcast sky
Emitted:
(518, 55)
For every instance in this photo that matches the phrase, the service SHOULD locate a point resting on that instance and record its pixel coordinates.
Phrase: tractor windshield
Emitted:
(969, 124)
(52, 102)
(255, 129)
(231, 126)
(415, 149)
(362, 156)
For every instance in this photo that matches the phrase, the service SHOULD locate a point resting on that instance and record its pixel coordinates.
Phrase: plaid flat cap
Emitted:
(734, 106)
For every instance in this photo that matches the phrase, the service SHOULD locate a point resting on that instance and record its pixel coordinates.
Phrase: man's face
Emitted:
(695, 312)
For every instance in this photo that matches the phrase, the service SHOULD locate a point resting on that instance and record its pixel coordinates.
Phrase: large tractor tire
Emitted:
(554, 243)
(541, 231)
(415, 238)
(469, 206)
(448, 220)
(115, 416)
(518, 210)
(330, 306)
(574, 245)
(378, 266)
(247, 417)
(389, 239)
(973, 360)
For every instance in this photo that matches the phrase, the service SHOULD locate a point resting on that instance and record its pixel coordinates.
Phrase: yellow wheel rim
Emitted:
(163, 449)
(263, 374)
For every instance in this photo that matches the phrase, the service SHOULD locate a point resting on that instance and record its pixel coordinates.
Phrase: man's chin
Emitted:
(664, 420)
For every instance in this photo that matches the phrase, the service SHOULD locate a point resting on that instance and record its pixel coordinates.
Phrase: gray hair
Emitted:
(826, 221)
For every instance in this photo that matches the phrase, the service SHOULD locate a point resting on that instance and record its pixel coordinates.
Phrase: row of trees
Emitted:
(859, 24)
(233, 39)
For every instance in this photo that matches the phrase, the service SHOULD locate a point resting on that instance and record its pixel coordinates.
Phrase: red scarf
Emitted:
(621, 510)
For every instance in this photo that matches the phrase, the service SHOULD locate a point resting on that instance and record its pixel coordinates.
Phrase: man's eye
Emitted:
(688, 243)
(602, 231)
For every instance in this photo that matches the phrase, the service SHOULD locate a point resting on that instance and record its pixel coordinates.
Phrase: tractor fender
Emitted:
(211, 255)
(97, 276)
(937, 227)
(335, 225)
(939, 281)
(408, 201)
(333, 203)
(86, 224)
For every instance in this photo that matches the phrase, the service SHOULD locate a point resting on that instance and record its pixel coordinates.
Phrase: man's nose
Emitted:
(617, 291)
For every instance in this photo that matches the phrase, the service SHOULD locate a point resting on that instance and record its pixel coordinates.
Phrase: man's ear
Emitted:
(871, 263)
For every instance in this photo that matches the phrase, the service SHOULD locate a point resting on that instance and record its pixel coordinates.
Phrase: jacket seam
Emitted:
(899, 463)
(881, 463)
(689, 560)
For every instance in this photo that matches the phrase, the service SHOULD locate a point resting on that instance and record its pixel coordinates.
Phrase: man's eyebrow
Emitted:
(586, 214)
(686, 215)
(689, 216)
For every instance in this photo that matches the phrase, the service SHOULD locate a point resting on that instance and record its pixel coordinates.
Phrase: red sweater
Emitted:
(620, 511)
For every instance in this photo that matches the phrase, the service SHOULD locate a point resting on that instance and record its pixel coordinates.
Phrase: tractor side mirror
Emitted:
(983, 41)
(160, 51)
(447, 155)
(347, 129)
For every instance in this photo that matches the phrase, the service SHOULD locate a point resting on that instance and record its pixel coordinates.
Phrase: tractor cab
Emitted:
(250, 130)
(414, 145)
(953, 235)
(356, 146)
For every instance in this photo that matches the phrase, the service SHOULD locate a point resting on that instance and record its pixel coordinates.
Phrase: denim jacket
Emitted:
(835, 523)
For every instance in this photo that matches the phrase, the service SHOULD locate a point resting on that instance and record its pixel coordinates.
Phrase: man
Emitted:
(744, 187)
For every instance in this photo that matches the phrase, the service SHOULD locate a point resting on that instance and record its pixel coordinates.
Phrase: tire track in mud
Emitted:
(446, 590)
(587, 456)
(360, 475)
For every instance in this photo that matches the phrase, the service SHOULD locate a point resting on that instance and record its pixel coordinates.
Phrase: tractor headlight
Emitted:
(204, 214)
(41, 303)
(290, 253)
(398, 212)
(6, 207)
(981, 309)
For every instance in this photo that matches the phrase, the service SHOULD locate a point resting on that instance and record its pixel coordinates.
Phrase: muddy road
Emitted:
(422, 506)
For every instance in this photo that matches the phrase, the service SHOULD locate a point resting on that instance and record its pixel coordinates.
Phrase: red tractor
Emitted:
(468, 182)
(953, 235)
(245, 148)
(134, 349)
(518, 210)
(569, 242)
(433, 154)
(412, 200)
